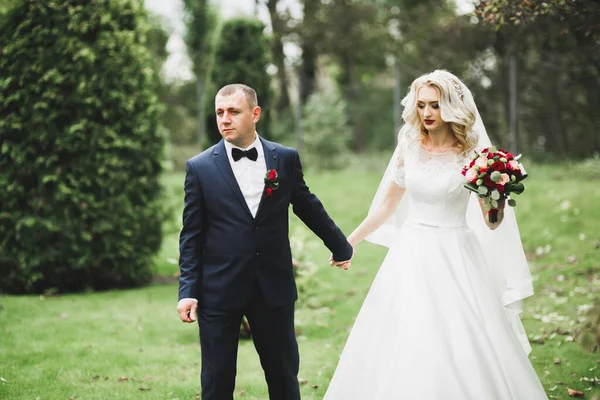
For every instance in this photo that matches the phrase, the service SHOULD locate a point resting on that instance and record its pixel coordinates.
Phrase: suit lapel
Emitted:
(271, 161)
(222, 162)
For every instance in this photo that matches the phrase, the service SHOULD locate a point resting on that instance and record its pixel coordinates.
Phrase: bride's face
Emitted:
(428, 107)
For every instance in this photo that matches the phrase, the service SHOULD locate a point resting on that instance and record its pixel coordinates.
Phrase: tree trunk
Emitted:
(278, 55)
(308, 70)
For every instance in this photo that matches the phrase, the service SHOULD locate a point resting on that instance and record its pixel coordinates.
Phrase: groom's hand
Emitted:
(187, 310)
(345, 265)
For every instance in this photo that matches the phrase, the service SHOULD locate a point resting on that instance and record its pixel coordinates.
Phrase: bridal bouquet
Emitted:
(494, 175)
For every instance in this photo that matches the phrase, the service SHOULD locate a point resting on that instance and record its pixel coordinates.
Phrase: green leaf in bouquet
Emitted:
(514, 187)
(482, 174)
(494, 203)
(472, 187)
(482, 190)
(492, 149)
(503, 159)
(479, 182)
(495, 195)
(496, 176)
(513, 178)
(487, 207)
(487, 200)
(490, 161)
(496, 158)
(512, 202)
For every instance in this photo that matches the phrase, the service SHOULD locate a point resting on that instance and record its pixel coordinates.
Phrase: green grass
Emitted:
(83, 346)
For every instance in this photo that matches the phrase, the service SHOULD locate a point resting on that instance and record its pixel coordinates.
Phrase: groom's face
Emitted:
(236, 119)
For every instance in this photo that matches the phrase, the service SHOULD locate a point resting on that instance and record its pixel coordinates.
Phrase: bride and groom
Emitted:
(441, 320)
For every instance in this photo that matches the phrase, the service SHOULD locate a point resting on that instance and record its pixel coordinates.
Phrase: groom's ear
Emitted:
(256, 114)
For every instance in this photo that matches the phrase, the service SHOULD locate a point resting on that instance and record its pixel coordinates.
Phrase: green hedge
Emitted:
(79, 148)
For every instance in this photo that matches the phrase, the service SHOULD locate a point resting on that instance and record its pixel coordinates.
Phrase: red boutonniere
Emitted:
(271, 182)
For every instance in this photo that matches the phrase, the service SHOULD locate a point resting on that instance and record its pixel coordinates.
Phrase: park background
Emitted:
(101, 103)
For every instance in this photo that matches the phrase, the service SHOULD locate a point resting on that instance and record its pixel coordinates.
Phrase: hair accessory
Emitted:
(458, 89)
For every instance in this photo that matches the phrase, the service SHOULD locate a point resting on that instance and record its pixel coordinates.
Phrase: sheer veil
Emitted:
(502, 247)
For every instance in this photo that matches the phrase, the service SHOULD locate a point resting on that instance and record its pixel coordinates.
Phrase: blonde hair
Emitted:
(457, 107)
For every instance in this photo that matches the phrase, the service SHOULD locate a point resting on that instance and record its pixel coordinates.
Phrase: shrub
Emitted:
(80, 150)
(325, 131)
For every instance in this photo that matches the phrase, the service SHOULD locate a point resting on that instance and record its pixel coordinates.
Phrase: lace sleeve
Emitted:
(398, 176)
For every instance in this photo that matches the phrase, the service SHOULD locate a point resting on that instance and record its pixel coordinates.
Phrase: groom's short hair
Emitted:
(250, 93)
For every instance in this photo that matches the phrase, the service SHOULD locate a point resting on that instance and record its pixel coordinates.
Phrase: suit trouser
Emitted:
(274, 339)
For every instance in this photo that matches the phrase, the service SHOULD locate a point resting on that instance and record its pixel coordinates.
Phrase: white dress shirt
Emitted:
(250, 176)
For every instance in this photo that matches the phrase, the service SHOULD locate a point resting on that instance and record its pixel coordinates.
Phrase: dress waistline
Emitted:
(437, 225)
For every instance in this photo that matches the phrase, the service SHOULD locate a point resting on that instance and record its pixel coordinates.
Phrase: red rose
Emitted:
(498, 166)
(490, 184)
(472, 163)
(272, 174)
(510, 156)
(269, 192)
(490, 155)
(500, 188)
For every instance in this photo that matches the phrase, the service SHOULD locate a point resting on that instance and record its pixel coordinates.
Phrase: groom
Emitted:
(235, 256)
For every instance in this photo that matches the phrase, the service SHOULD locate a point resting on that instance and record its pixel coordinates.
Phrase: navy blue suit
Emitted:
(236, 264)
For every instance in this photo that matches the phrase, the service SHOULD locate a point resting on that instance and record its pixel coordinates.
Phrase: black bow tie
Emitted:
(252, 154)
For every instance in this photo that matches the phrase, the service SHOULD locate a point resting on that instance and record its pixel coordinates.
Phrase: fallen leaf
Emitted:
(242, 392)
(314, 386)
(144, 389)
(95, 377)
(302, 381)
(123, 379)
(556, 361)
(575, 393)
(73, 397)
(594, 380)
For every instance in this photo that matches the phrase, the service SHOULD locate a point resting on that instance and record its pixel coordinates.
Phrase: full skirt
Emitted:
(432, 327)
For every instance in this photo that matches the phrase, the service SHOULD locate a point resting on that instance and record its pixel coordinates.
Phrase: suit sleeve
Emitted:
(191, 238)
(311, 211)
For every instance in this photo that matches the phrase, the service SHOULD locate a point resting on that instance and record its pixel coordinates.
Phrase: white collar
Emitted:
(256, 143)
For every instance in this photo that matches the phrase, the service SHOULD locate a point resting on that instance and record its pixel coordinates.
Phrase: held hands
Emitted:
(345, 265)
(187, 310)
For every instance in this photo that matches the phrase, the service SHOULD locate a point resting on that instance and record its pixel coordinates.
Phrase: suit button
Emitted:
(257, 253)
(255, 227)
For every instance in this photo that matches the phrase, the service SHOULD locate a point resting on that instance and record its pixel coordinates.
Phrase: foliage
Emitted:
(581, 16)
(80, 153)
(558, 85)
(325, 131)
(241, 56)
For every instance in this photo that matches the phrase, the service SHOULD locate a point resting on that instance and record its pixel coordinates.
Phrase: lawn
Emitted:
(130, 344)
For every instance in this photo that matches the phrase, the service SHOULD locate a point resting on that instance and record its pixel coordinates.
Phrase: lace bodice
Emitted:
(435, 185)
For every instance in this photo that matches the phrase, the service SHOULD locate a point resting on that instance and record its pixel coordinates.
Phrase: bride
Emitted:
(441, 320)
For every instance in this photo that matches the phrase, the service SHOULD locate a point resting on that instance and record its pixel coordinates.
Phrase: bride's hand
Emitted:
(345, 265)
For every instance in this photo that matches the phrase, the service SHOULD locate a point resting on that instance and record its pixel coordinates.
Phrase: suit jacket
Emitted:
(224, 251)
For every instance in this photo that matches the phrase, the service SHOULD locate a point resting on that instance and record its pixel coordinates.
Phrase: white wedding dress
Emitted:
(433, 326)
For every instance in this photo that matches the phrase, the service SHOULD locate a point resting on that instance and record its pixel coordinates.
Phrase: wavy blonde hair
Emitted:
(457, 107)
